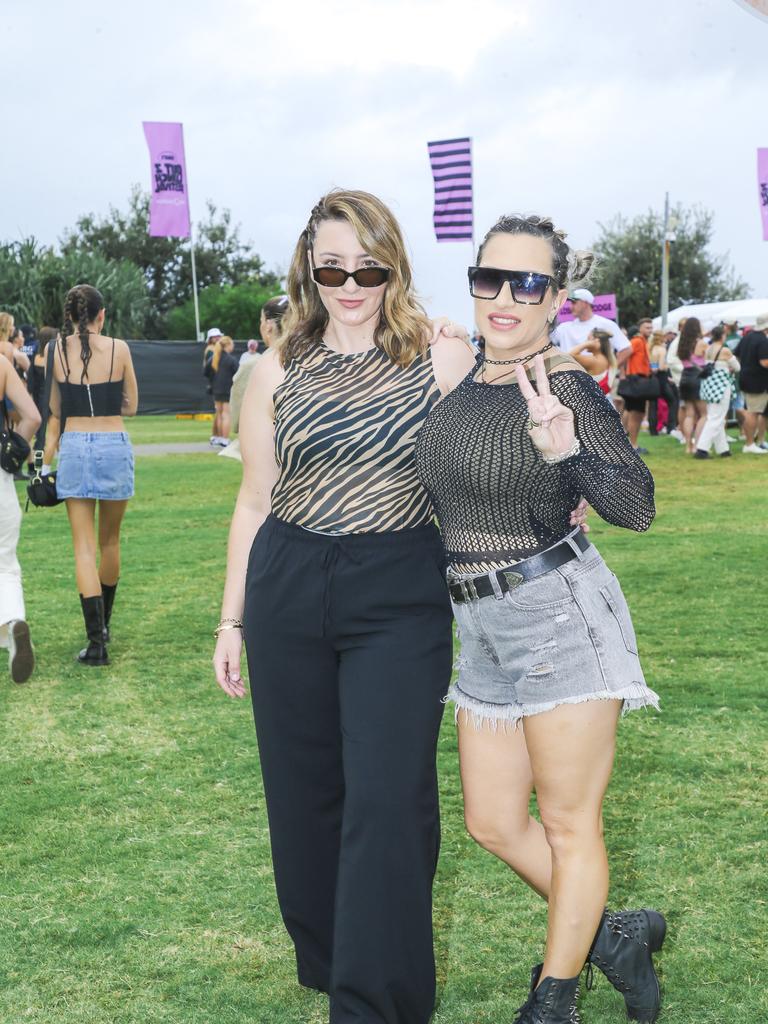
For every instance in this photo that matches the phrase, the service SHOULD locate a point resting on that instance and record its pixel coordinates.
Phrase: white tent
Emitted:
(745, 311)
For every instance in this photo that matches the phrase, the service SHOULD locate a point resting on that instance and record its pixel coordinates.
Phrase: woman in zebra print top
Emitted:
(347, 618)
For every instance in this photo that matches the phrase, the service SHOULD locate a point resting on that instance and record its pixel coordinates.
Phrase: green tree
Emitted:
(222, 258)
(235, 309)
(630, 264)
(34, 281)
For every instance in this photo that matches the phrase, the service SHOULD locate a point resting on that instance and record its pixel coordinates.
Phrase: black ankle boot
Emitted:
(108, 592)
(553, 1002)
(623, 950)
(93, 614)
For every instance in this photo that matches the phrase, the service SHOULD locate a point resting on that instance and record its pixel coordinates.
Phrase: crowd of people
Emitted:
(688, 382)
(227, 375)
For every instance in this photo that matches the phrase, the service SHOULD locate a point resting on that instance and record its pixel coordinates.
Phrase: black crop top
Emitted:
(105, 399)
(496, 499)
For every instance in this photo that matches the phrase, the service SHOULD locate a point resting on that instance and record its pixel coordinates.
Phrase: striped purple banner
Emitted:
(451, 161)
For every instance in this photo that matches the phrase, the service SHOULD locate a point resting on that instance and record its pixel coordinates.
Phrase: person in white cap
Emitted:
(573, 332)
(753, 381)
(208, 372)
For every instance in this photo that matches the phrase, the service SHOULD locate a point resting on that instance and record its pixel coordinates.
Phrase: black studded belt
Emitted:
(475, 587)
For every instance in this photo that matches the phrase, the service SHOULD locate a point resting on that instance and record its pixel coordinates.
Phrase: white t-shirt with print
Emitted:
(573, 332)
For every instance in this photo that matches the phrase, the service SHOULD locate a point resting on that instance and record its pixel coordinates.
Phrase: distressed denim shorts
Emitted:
(562, 638)
(95, 465)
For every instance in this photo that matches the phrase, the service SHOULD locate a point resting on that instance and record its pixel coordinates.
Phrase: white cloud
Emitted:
(304, 37)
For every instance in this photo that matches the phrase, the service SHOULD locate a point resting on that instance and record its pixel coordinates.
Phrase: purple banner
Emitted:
(762, 185)
(169, 205)
(451, 162)
(604, 305)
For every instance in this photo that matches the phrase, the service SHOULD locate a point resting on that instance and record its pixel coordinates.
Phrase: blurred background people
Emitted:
(715, 390)
(691, 354)
(597, 357)
(638, 364)
(224, 366)
(270, 328)
(211, 339)
(572, 332)
(14, 629)
(753, 380)
(658, 408)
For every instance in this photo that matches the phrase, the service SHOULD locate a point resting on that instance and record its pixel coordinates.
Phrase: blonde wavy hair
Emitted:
(223, 344)
(6, 326)
(403, 329)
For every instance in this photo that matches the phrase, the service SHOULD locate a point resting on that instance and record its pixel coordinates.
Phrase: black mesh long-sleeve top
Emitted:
(495, 498)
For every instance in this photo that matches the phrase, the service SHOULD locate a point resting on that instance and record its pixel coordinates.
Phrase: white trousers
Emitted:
(11, 594)
(713, 431)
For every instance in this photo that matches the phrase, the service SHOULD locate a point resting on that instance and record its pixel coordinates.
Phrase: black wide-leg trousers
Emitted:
(349, 655)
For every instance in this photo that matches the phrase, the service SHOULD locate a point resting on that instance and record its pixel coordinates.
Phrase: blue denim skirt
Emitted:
(95, 465)
(562, 638)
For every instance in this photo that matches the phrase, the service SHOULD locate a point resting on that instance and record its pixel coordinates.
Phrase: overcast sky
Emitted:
(579, 111)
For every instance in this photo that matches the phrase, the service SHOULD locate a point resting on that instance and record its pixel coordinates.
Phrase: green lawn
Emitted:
(135, 878)
(159, 429)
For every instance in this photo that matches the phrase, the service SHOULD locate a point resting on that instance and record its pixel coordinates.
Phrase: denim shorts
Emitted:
(562, 638)
(95, 465)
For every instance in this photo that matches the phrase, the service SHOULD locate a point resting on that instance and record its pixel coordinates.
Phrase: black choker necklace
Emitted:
(521, 359)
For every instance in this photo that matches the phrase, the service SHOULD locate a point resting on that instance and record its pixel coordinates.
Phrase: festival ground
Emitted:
(136, 883)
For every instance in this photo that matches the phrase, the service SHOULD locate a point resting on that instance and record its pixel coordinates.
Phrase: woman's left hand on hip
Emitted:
(550, 423)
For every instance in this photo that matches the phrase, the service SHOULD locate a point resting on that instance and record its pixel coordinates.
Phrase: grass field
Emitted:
(135, 883)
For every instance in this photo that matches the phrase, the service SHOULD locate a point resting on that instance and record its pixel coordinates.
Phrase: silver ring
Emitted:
(531, 424)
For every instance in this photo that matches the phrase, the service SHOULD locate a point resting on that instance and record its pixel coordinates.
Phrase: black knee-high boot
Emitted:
(93, 614)
(108, 592)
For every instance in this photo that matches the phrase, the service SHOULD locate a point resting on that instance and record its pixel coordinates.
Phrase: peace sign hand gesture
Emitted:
(550, 423)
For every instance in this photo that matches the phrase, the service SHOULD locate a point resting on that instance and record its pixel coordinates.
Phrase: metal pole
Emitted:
(665, 266)
(198, 334)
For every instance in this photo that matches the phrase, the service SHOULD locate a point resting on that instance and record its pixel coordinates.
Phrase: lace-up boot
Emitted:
(623, 950)
(553, 1002)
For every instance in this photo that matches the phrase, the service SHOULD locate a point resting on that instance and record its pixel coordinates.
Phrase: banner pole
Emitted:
(198, 335)
(665, 266)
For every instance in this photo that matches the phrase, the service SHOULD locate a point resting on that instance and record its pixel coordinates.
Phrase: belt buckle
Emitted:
(514, 579)
(469, 590)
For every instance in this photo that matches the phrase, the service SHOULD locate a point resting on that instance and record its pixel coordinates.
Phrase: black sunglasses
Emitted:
(527, 287)
(335, 277)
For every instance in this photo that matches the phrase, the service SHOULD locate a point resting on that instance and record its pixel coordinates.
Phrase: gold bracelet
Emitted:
(227, 624)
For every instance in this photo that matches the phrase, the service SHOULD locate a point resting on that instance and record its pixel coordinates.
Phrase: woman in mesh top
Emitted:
(547, 639)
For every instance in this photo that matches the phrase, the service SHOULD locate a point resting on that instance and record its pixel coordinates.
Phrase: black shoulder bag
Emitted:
(14, 449)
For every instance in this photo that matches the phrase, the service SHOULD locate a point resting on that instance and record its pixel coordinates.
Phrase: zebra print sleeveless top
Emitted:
(345, 432)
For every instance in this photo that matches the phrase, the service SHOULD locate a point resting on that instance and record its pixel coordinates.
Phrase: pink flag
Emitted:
(169, 205)
(762, 184)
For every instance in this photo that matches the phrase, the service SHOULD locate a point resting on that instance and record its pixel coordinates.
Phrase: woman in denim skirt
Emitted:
(548, 653)
(94, 386)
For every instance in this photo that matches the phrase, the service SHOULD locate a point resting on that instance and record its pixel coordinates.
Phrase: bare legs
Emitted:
(633, 424)
(222, 420)
(691, 421)
(754, 428)
(566, 755)
(110, 520)
(82, 521)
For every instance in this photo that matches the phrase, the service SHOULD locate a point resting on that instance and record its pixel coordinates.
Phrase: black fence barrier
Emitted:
(170, 376)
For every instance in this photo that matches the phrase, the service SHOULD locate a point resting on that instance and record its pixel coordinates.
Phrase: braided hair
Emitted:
(569, 266)
(81, 307)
